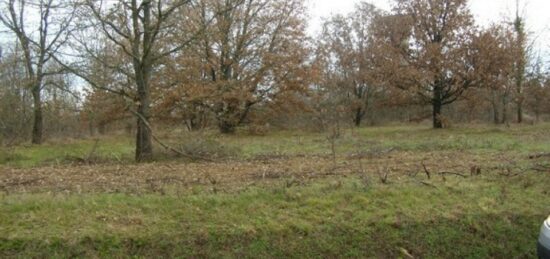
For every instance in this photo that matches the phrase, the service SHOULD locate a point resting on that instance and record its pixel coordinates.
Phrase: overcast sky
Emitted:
(536, 12)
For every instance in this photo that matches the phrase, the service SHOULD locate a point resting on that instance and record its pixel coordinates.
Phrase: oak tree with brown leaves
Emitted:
(493, 50)
(427, 51)
(347, 52)
(251, 52)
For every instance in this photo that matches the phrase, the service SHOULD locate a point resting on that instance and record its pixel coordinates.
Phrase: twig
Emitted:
(383, 177)
(452, 173)
(428, 184)
(426, 171)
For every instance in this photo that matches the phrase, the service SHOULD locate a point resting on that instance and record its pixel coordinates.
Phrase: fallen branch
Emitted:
(541, 168)
(541, 155)
(508, 174)
(452, 173)
(166, 146)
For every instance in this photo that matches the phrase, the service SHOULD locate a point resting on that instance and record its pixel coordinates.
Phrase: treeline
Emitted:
(201, 64)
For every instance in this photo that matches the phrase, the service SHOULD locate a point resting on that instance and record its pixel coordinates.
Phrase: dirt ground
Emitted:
(234, 175)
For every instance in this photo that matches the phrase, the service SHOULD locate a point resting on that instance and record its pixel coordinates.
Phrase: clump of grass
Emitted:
(9, 156)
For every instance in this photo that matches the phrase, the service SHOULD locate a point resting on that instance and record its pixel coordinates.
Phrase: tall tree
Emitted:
(251, 51)
(346, 46)
(493, 51)
(39, 43)
(433, 59)
(537, 91)
(130, 47)
(520, 59)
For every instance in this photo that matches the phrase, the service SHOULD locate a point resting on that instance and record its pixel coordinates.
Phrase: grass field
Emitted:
(386, 192)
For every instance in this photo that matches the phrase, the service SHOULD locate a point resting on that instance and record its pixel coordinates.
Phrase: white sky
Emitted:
(536, 12)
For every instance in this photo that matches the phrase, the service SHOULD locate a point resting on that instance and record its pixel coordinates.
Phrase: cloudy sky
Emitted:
(536, 12)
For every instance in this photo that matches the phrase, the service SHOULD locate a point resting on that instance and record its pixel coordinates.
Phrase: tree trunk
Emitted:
(91, 124)
(437, 105)
(520, 112)
(537, 109)
(232, 116)
(521, 62)
(226, 127)
(143, 69)
(437, 123)
(101, 128)
(144, 144)
(494, 103)
(37, 128)
(358, 117)
(496, 116)
(505, 109)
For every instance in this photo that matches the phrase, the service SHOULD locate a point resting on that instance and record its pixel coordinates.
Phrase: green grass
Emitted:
(521, 140)
(111, 148)
(406, 138)
(475, 218)
(487, 216)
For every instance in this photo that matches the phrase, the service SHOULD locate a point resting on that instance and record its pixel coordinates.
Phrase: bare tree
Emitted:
(520, 64)
(14, 99)
(132, 43)
(39, 43)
